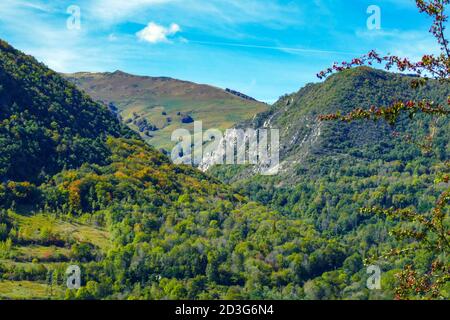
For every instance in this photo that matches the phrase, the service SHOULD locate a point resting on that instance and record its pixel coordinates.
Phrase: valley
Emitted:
(80, 187)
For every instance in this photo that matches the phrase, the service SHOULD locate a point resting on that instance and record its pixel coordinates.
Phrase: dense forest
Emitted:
(327, 177)
(46, 123)
(138, 226)
(365, 159)
(357, 188)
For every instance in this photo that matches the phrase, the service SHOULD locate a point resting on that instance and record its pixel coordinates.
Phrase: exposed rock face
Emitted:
(247, 150)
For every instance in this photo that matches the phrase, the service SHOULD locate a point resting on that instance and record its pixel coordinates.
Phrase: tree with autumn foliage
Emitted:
(428, 231)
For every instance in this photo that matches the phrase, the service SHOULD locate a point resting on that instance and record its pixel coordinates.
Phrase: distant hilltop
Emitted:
(166, 103)
(240, 95)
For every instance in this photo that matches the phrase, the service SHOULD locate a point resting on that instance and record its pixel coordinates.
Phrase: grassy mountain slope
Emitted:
(163, 102)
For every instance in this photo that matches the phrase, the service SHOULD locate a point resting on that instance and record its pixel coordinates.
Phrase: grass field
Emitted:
(29, 290)
(26, 265)
(33, 225)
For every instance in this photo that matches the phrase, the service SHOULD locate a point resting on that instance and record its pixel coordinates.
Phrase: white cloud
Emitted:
(155, 33)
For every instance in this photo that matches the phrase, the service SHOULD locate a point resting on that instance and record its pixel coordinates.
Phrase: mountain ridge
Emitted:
(163, 102)
(302, 134)
(79, 74)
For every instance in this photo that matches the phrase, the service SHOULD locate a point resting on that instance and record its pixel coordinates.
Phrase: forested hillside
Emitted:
(330, 170)
(76, 191)
(46, 124)
(77, 187)
(305, 140)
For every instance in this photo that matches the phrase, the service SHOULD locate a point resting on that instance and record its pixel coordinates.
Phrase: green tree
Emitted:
(430, 231)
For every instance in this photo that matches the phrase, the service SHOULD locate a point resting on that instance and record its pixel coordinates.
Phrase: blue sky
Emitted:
(264, 48)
